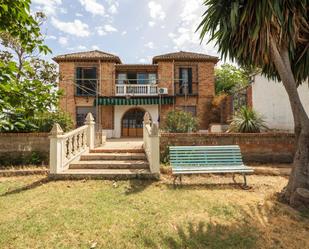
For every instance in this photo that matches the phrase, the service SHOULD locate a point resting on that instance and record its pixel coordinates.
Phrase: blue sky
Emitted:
(135, 30)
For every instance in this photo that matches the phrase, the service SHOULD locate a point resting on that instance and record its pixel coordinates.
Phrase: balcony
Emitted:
(136, 90)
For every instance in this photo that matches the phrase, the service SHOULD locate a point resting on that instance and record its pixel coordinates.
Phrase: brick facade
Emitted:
(262, 147)
(203, 89)
(167, 74)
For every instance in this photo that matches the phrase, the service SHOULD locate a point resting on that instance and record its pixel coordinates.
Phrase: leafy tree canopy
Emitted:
(230, 78)
(15, 19)
(242, 31)
(27, 83)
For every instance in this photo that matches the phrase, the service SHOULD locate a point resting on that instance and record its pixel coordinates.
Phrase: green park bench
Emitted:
(207, 159)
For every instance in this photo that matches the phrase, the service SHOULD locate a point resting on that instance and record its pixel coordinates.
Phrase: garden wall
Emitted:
(24, 148)
(261, 147)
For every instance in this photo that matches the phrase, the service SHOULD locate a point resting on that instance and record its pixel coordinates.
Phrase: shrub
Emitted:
(45, 121)
(22, 159)
(247, 120)
(180, 121)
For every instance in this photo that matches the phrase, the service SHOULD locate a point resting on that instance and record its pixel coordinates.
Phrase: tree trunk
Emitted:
(299, 178)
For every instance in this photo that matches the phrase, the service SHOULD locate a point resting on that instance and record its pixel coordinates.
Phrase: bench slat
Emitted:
(207, 159)
(212, 171)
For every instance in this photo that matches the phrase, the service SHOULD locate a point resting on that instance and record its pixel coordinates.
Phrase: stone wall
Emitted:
(28, 148)
(203, 88)
(262, 148)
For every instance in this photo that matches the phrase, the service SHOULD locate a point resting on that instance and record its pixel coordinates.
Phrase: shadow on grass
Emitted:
(208, 235)
(32, 185)
(138, 185)
(257, 227)
(210, 186)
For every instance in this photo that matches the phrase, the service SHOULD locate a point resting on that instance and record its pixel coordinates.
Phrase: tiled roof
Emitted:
(87, 55)
(182, 55)
(144, 67)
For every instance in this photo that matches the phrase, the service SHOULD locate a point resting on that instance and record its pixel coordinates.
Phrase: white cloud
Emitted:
(79, 14)
(109, 28)
(185, 37)
(63, 11)
(63, 40)
(81, 47)
(113, 8)
(151, 23)
(104, 30)
(156, 11)
(49, 7)
(142, 60)
(149, 45)
(93, 7)
(77, 27)
(124, 32)
(50, 37)
(101, 31)
(95, 47)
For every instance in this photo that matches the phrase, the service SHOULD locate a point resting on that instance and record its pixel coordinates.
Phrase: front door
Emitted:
(132, 123)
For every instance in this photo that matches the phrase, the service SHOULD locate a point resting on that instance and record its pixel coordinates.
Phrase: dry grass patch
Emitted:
(206, 212)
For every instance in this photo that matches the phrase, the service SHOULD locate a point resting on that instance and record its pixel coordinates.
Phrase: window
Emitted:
(185, 80)
(137, 78)
(131, 78)
(142, 78)
(122, 77)
(152, 78)
(86, 81)
(190, 109)
(81, 113)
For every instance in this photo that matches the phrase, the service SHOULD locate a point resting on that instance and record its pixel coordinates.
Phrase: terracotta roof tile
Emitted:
(88, 55)
(182, 55)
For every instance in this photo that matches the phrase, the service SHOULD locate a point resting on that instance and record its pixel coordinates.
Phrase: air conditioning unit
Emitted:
(162, 90)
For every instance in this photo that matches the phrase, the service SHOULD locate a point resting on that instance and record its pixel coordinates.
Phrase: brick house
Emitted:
(119, 94)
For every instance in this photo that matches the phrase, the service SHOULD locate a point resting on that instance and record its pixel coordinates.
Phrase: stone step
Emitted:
(108, 174)
(117, 150)
(115, 164)
(113, 156)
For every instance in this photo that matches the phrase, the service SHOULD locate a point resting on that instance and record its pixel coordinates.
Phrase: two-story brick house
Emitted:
(119, 94)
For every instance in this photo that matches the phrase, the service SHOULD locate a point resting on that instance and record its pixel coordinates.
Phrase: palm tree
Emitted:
(274, 36)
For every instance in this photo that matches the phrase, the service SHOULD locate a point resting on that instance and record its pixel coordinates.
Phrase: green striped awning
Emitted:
(134, 101)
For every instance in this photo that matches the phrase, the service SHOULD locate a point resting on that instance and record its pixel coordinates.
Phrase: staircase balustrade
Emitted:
(67, 147)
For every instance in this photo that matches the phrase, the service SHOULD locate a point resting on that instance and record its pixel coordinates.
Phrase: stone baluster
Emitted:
(90, 132)
(75, 144)
(70, 147)
(80, 141)
(56, 155)
(84, 139)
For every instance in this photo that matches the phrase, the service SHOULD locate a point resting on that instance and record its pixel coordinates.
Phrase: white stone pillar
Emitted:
(155, 149)
(91, 131)
(55, 150)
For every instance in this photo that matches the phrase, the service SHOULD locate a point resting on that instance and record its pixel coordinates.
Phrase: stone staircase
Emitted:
(110, 163)
(73, 154)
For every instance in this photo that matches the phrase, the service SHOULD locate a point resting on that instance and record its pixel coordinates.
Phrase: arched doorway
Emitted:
(132, 123)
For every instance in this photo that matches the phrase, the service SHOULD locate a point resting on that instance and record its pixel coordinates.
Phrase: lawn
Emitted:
(207, 212)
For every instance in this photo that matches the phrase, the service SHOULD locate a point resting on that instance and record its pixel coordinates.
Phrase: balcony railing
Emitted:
(136, 90)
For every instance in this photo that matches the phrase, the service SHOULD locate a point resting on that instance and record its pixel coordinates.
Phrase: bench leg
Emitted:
(245, 185)
(233, 177)
(175, 179)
